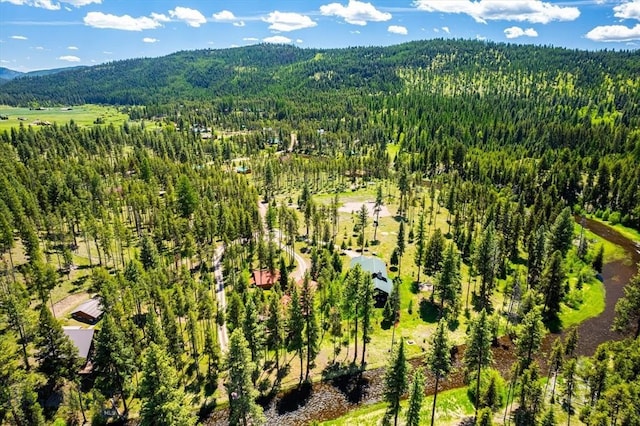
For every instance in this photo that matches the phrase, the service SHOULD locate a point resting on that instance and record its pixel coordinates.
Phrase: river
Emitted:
(329, 401)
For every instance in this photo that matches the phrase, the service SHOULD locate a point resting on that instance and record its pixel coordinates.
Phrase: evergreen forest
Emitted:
(228, 225)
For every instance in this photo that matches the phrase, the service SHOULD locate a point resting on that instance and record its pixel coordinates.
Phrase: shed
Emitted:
(378, 270)
(89, 312)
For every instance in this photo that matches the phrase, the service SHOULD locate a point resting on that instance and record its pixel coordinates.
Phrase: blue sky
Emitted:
(43, 34)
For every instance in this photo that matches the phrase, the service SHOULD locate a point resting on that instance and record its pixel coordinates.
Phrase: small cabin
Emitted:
(89, 312)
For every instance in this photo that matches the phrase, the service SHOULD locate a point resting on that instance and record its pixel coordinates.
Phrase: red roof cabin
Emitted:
(264, 279)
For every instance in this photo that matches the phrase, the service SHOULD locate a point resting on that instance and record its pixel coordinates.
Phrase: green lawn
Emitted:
(83, 115)
(451, 407)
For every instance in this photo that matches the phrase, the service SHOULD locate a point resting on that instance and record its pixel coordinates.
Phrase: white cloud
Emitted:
(150, 40)
(534, 11)
(397, 29)
(356, 12)
(227, 16)
(629, 10)
(19, 37)
(72, 47)
(191, 17)
(124, 22)
(160, 17)
(299, 41)
(44, 4)
(69, 58)
(614, 33)
(107, 52)
(79, 3)
(224, 15)
(251, 39)
(446, 30)
(39, 48)
(288, 21)
(480, 37)
(515, 32)
(49, 4)
(277, 39)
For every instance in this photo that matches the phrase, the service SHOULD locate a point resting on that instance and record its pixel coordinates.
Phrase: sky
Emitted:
(46, 34)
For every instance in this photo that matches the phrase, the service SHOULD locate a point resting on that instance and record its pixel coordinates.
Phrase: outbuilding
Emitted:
(89, 312)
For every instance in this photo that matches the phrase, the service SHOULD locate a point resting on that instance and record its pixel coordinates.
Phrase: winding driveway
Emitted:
(298, 275)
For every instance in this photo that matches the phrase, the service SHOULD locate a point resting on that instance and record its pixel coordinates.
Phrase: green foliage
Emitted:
(628, 307)
(57, 357)
(242, 394)
(416, 397)
(492, 390)
(163, 402)
(396, 381)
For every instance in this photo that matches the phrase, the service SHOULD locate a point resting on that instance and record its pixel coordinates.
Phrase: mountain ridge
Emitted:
(266, 70)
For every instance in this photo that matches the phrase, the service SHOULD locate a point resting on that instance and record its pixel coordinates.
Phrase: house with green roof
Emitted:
(378, 270)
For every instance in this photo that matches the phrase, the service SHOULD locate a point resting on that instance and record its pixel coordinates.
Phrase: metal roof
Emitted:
(378, 270)
(91, 307)
(81, 339)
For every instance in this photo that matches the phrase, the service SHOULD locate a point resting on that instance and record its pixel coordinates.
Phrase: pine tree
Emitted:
(163, 401)
(113, 361)
(561, 233)
(552, 283)
(376, 209)
(485, 262)
(549, 418)
(243, 410)
(478, 352)
(530, 333)
(275, 327)
(535, 262)
(449, 281)
(395, 382)
(149, 256)
(420, 244)
(57, 357)
(311, 328)
(416, 397)
(434, 253)
(400, 245)
(439, 360)
(253, 330)
(363, 215)
(628, 307)
(365, 295)
(295, 327)
(187, 197)
(569, 378)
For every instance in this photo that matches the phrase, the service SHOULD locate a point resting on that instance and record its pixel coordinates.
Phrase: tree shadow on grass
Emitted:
(429, 312)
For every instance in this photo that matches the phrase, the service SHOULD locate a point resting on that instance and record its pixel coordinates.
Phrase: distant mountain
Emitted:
(7, 74)
(272, 72)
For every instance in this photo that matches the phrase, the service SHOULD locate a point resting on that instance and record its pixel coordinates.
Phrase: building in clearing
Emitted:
(82, 339)
(378, 270)
(89, 312)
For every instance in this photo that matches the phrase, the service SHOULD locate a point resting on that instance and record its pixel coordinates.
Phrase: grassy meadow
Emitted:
(83, 115)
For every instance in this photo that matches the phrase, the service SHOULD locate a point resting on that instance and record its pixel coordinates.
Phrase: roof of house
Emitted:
(263, 278)
(91, 308)
(81, 339)
(378, 270)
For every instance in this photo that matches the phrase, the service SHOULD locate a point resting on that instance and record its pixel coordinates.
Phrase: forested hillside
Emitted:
(233, 199)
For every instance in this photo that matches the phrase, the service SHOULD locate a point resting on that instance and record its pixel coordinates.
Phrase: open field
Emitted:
(83, 115)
